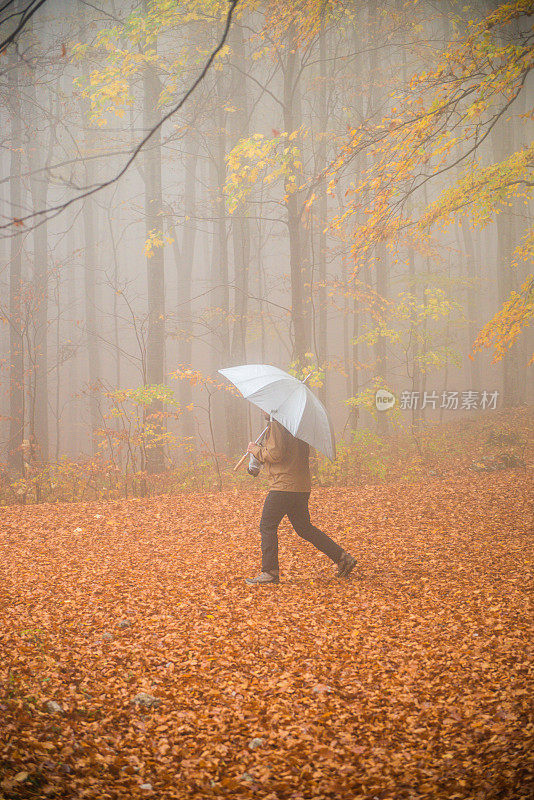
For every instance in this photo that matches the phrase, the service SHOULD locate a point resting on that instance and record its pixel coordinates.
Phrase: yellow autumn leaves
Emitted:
(266, 158)
(154, 240)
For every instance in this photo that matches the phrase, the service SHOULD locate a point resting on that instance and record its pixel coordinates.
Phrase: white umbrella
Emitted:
(287, 400)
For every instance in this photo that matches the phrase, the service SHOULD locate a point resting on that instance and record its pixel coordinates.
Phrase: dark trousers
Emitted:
(295, 505)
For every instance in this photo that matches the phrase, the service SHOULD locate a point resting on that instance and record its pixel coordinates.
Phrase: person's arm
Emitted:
(274, 448)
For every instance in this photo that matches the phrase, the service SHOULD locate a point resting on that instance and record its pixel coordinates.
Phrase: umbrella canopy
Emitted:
(287, 400)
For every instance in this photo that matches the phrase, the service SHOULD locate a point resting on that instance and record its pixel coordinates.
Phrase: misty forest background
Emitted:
(235, 235)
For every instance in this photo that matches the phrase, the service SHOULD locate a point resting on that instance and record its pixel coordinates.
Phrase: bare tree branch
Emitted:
(25, 15)
(41, 215)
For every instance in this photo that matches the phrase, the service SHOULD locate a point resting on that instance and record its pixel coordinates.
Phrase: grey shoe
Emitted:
(345, 565)
(263, 579)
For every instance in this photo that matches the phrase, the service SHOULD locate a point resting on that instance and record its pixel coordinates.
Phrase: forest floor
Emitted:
(135, 662)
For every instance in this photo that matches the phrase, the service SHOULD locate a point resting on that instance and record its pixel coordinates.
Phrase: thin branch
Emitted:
(27, 14)
(53, 211)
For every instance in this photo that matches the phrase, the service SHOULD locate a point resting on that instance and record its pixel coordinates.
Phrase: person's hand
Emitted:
(250, 446)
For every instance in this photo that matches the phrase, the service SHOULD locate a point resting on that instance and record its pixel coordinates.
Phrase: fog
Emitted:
(222, 241)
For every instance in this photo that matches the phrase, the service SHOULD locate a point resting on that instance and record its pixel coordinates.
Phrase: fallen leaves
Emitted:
(139, 663)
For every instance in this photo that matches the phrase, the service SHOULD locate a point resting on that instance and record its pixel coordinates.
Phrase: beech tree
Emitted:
(440, 125)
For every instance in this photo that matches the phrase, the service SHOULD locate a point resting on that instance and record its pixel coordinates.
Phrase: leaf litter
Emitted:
(411, 680)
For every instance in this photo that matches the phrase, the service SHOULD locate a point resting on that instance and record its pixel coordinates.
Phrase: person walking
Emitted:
(286, 461)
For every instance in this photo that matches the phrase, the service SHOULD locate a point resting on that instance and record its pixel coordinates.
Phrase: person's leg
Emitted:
(299, 516)
(274, 510)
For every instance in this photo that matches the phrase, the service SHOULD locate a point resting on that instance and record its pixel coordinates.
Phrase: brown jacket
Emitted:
(286, 460)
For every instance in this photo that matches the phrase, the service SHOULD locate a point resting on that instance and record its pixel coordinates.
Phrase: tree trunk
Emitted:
(506, 281)
(16, 344)
(58, 365)
(513, 368)
(184, 274)
(155, 355)
(240, 239)
(4, 322)
(416, 372)
(219, 264)
(73, 405)
(382, 276)
(322, 334)
(473, 291)
(89, 276)
(38, 158)
(39, 415)
(115, 287)
(299, 269)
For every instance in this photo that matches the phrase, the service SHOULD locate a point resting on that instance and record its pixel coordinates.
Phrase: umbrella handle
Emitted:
(260, 437)
(240, 461)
